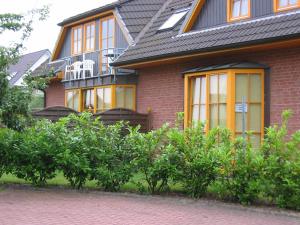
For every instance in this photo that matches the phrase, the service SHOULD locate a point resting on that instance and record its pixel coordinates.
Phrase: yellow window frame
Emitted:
(230, 18)
(230, 111)
(66, 98)
(72, 40)
(277, 8)
(101, 37)
(93, 23)
(113, 95)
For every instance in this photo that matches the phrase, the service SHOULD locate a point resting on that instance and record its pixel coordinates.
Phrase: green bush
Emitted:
(156, 158)
(198, 166)
(34, 156)
(113, 166)
(80, 145)
(240, 172)
(7, 138)
(282, 164)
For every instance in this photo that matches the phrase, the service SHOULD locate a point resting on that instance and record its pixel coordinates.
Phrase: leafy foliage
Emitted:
(14, 101)
(83, 149)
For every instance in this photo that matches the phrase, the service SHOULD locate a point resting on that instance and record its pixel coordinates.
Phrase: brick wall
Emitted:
(55, 94)
(162, 88)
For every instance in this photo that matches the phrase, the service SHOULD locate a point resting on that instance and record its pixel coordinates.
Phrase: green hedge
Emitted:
(84, 149)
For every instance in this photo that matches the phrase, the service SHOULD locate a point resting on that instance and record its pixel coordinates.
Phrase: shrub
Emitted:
(240, 172)
(282, 164)
(80, 146)
(156, 159)
(198, 168)
(113, 165)
(35, 154)
(7, 138)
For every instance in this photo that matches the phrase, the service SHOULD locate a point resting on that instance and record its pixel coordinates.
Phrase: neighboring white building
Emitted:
(26, 63)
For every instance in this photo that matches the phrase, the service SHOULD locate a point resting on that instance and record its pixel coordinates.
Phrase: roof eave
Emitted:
(205, 50)
(89, 13)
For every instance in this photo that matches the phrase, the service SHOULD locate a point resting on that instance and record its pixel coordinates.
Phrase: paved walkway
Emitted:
(68, 207)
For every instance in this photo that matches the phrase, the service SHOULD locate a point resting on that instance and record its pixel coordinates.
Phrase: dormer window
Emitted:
(281, 5)
(238, 9)
(77, 40)
(173, 20)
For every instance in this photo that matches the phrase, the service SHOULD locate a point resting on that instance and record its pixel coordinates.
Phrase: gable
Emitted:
(214, 13)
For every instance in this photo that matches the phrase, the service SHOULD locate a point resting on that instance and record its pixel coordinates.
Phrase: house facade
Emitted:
(213, 59)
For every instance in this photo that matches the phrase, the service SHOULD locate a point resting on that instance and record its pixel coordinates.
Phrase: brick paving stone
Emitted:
(60, 207)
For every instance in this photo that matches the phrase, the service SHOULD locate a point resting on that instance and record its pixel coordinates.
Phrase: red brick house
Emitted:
(203, 57)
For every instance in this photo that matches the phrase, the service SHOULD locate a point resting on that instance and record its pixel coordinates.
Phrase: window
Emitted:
(89, 36)
(72, 99)
(104, 99)
(107, 32)
(280, 5)
(173, 20)
(88, 100)
(216, 98)
(77, 40)
(100, 99)
(238, 9)
(125, 97)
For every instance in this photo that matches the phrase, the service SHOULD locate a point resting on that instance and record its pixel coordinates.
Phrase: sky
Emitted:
(46, 32)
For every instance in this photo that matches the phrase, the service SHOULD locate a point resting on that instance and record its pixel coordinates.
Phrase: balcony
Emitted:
(92, 65)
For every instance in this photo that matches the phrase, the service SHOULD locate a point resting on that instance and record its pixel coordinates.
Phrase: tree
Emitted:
(14, 101)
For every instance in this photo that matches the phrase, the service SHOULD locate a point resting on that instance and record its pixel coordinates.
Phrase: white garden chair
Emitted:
(88, 68)
(77, 70)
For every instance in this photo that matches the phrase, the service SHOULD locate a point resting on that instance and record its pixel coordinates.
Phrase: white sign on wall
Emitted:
(240, 107)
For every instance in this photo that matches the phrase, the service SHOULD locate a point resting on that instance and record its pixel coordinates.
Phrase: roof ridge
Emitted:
(150, 23)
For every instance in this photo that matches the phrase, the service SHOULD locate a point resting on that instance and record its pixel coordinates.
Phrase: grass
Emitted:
(60, 181)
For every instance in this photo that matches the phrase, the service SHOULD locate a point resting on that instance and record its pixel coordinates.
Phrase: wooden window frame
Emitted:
(113, 96)
(100, 37)
(72, 40)
(85, 37)
(79, 99)
(96, 97)
(230, 111)
(229, 12)
(134, 94)
(278, 9)
(83, 99)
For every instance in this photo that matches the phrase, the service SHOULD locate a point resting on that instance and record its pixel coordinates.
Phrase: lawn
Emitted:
(60, 181)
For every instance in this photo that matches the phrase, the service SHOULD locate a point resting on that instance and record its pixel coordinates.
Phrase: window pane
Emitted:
(120, 97)
(110, 43)
(255, 117)
(244, 8)
(104, 44)
(283, 3)
(92, 44)
(241, 87)
(76, 100)
(104, 29)
(222, 88)
(202, 113)
(213, 116)
(293, 2)
(214, 89)
(195, 115)
(129, 98)
(197, 85)
(107, 98)
(255, 85)
(239, 122)
(79, 46)
(70, 99)
(203, 90)
(222, 115)
(75, 35)
(111, 28)
(88, 98)
(100, 99)
(236, 8)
